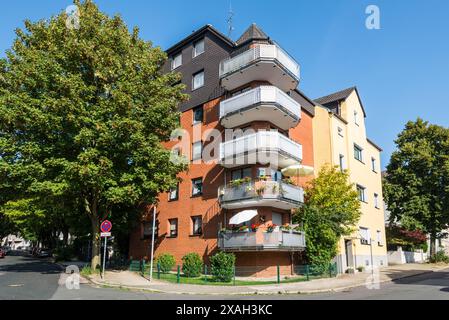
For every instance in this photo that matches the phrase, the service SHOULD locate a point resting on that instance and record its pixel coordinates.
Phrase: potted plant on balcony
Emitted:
(271, 227)
(254, 227)
(287, 228)
(260, 191)
(263, 178)
(288, 181)
(244, 229)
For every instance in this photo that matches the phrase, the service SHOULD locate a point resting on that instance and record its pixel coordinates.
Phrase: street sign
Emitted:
(105, 234)
(106, 226)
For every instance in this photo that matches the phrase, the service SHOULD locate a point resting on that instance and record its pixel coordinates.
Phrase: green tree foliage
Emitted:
(416, 187)
(83, 112)
(330, 211)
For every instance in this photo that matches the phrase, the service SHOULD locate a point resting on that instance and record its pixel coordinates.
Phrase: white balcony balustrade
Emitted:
(262, 241)
(263, 147)
(264, 103)
(261, 63)
(261, 193)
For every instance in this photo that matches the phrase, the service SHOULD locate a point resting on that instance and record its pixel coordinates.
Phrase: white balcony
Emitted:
(263, 147)
(262, 241)
(261, 63)
(261, 194)
(265, 103)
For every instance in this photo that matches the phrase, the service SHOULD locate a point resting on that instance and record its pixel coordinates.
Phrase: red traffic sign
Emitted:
(106, 226)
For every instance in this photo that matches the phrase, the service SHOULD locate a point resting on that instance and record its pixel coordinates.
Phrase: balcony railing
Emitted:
(261, 147)
(260, 52)
(261, 193)
(263, 95)
(262, 241)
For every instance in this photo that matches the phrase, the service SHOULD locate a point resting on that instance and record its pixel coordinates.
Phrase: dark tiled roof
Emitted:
(252, 33)
(374, 144)
(338, 96)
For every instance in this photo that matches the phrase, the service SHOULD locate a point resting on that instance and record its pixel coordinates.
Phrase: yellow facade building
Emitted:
(340, 140)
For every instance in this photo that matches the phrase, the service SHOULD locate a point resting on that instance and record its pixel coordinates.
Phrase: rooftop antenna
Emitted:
(230, 20)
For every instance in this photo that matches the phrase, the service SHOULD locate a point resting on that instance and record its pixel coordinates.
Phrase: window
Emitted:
(276, 175)
(356, 117)
(373, 164)
(197, 187)
(361, 193)
(198, 48)
(174, 193)
(148, 229)
(365, 236)
(176, 61)
(198, 115)
(241, 173)
(379, 238)
(197, 224)
(173, 228)
(376, 201)
(197, 149)
(198, 80)
(358, 153)
(342, 162)
(340, 131)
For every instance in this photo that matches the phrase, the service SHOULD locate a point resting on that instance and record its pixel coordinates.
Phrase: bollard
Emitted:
(279, 274)
(178, 275)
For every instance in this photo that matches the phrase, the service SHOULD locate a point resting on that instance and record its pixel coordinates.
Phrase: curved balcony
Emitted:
(261, 63)
(261, 194)
(262, 241)
(265, 103)
(264, 147)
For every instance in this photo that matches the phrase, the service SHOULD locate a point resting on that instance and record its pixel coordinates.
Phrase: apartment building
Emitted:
(247, 91)
(340, 140)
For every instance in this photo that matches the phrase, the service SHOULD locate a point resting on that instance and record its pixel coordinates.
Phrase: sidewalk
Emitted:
(133, 280)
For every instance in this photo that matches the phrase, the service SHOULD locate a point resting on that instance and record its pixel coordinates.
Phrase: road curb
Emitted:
(256, 292)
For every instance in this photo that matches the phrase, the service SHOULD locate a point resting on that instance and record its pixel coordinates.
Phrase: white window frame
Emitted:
(363, 189)
(196, 156)
(173, 66)
(195, 52)
(176, 225)
(374, 164)
(379, 238)
(194, 187)
(341, 159)
(356, 146)
(376, 201)
(173, 194)
(194, 112)
(365, 236)
(197, 226)
(195, 87)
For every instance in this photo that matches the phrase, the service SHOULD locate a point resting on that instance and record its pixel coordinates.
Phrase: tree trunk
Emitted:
(95, 262)
(432, 245)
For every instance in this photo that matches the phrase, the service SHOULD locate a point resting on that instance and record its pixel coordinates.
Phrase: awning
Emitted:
(243, 216)
(298, 170)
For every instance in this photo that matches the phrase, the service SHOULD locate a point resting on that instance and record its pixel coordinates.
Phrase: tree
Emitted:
(330, 211)
(416, 186)
(83, 112)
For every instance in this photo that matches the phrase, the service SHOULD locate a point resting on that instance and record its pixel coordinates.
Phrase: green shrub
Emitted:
(166, 262)
(440, 256)
(192, 265)
(87, 271)
(222, 266)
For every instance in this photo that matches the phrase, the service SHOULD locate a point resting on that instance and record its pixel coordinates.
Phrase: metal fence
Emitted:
(247, 275)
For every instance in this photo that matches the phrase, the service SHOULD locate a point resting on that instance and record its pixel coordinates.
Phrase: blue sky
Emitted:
(401, 70)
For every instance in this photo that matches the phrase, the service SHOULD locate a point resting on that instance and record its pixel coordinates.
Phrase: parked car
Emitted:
(2, 253)
(45, 253)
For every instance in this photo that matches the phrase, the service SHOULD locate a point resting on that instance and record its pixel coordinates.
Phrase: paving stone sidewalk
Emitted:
(133, 280)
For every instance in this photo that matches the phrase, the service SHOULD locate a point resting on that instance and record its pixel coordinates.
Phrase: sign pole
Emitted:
(104, 254)
(152, 243)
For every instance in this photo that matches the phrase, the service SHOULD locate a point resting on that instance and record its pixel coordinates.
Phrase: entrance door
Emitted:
(348, 254)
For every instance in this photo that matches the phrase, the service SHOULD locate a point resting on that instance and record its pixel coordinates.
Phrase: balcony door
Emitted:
(276, 218)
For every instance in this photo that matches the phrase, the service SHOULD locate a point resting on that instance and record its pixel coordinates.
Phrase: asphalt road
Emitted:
(25, 278)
